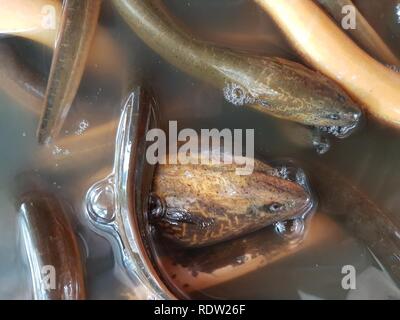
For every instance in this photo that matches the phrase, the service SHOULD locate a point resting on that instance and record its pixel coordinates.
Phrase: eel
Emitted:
(328, 49)
(203, 204)
(127, 215)
(49, 241)
(92, 147)
(272, 85)
(342, 207)
(76, 32)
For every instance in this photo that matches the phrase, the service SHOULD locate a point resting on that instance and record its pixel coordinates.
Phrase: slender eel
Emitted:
(27, 87)
(51, 247)
(317, 38)
(271, 85)
(363, 33)
(77, 29)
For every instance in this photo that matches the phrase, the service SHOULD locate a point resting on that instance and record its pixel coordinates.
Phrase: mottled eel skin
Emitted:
(272, 85)
(49, 240)
(77, 29)
(198, 205)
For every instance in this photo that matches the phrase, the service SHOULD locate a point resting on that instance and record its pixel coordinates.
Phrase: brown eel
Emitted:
(77, 29)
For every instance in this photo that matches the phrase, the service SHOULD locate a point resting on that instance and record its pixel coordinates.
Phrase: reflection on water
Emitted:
(369, 158)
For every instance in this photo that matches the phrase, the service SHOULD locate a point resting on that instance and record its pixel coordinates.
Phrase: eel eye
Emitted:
(274, 207)
(334, 116)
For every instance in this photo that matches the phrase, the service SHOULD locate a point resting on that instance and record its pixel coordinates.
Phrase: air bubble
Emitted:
(58, 151)
(321, 144)
(82, 127)
(339, 131)
(301, 178)
(236, 95)
(281, 172)
(291, 230)
(101, 201)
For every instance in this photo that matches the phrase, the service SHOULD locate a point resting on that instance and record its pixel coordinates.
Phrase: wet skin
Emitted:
(271, 85)
(199, 205)
(49, 240)
(77, 28)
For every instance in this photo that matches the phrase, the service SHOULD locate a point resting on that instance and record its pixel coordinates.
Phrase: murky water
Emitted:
(368, 158)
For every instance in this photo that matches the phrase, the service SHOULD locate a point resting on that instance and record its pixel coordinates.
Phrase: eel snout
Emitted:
(307, 97)
(284, 199)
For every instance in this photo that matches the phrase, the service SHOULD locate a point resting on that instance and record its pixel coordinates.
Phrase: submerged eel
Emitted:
(50, 243)
(27, 87)
(339, 200)
(77, 29)
(324, 45)
(275, 86)
(202, 204)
